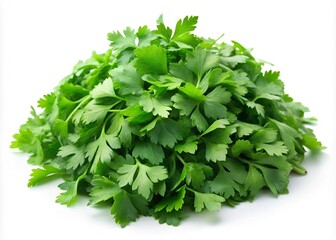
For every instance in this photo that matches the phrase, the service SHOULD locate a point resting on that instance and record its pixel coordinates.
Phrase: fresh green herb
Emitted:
(165, 121)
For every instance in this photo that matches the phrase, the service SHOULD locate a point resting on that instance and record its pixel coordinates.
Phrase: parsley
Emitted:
(165, 121)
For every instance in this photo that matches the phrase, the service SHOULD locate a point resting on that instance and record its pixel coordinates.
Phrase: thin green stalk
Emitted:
(84, 100)
(298, 168)
(180, 158)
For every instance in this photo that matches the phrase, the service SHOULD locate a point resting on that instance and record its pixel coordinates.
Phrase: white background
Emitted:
(40, 42)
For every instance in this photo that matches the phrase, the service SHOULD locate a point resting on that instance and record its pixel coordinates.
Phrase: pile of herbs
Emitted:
(166, 121)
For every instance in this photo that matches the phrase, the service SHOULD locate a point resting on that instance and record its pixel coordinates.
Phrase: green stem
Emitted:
(298, 168)
(83, 175)
(180, 158)
(245, 161)
(219, 37)
(225, 67)
(116, 110)
(119, 98)
(83, 100)
(137, 162)
(191, 190)
(104, 124)
(198, 81)
(115, 104)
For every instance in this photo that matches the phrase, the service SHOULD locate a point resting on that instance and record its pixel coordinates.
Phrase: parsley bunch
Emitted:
(167, 121)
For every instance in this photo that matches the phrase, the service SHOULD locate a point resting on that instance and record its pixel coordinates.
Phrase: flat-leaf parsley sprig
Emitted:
(167, 121)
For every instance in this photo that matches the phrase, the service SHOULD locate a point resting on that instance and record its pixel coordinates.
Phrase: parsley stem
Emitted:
(105, 122)
(82, 176)
(191, 190)
(219, 37)
(225, 68)
(298, 168)
(119, 98)
(81, 99)
(84, 100)
(137, 161)
(115, 110)
(180, 158)
(245, 161)
(198, 81)
(115, 104)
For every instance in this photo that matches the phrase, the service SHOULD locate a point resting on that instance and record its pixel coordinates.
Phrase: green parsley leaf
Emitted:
(101, 150)
(232, 61)
(127, 80)
(150, 151)
(159, 107)
(216, 151)
(193, 92)
(76, 155)
(241, 146)
(198, 120)
(67, 197)
(93, 112)
(128, 207)
(40, 175)
(184, 104)
(200, 61)
(190, 146)
(162, 30)
(26, 141)
(311, 142)
(103, 189)
(254, 181)
(214, 104)
(173, 202)
(120, 42)
(166, 132)
(151, 59)
(195, 174)
(288, 135)
(182, 32)
(141, 177)
(171, 218)
(276, 148)
(227, 182)
(210, 201)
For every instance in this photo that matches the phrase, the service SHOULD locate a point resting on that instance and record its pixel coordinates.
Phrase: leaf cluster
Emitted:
(167, 121)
